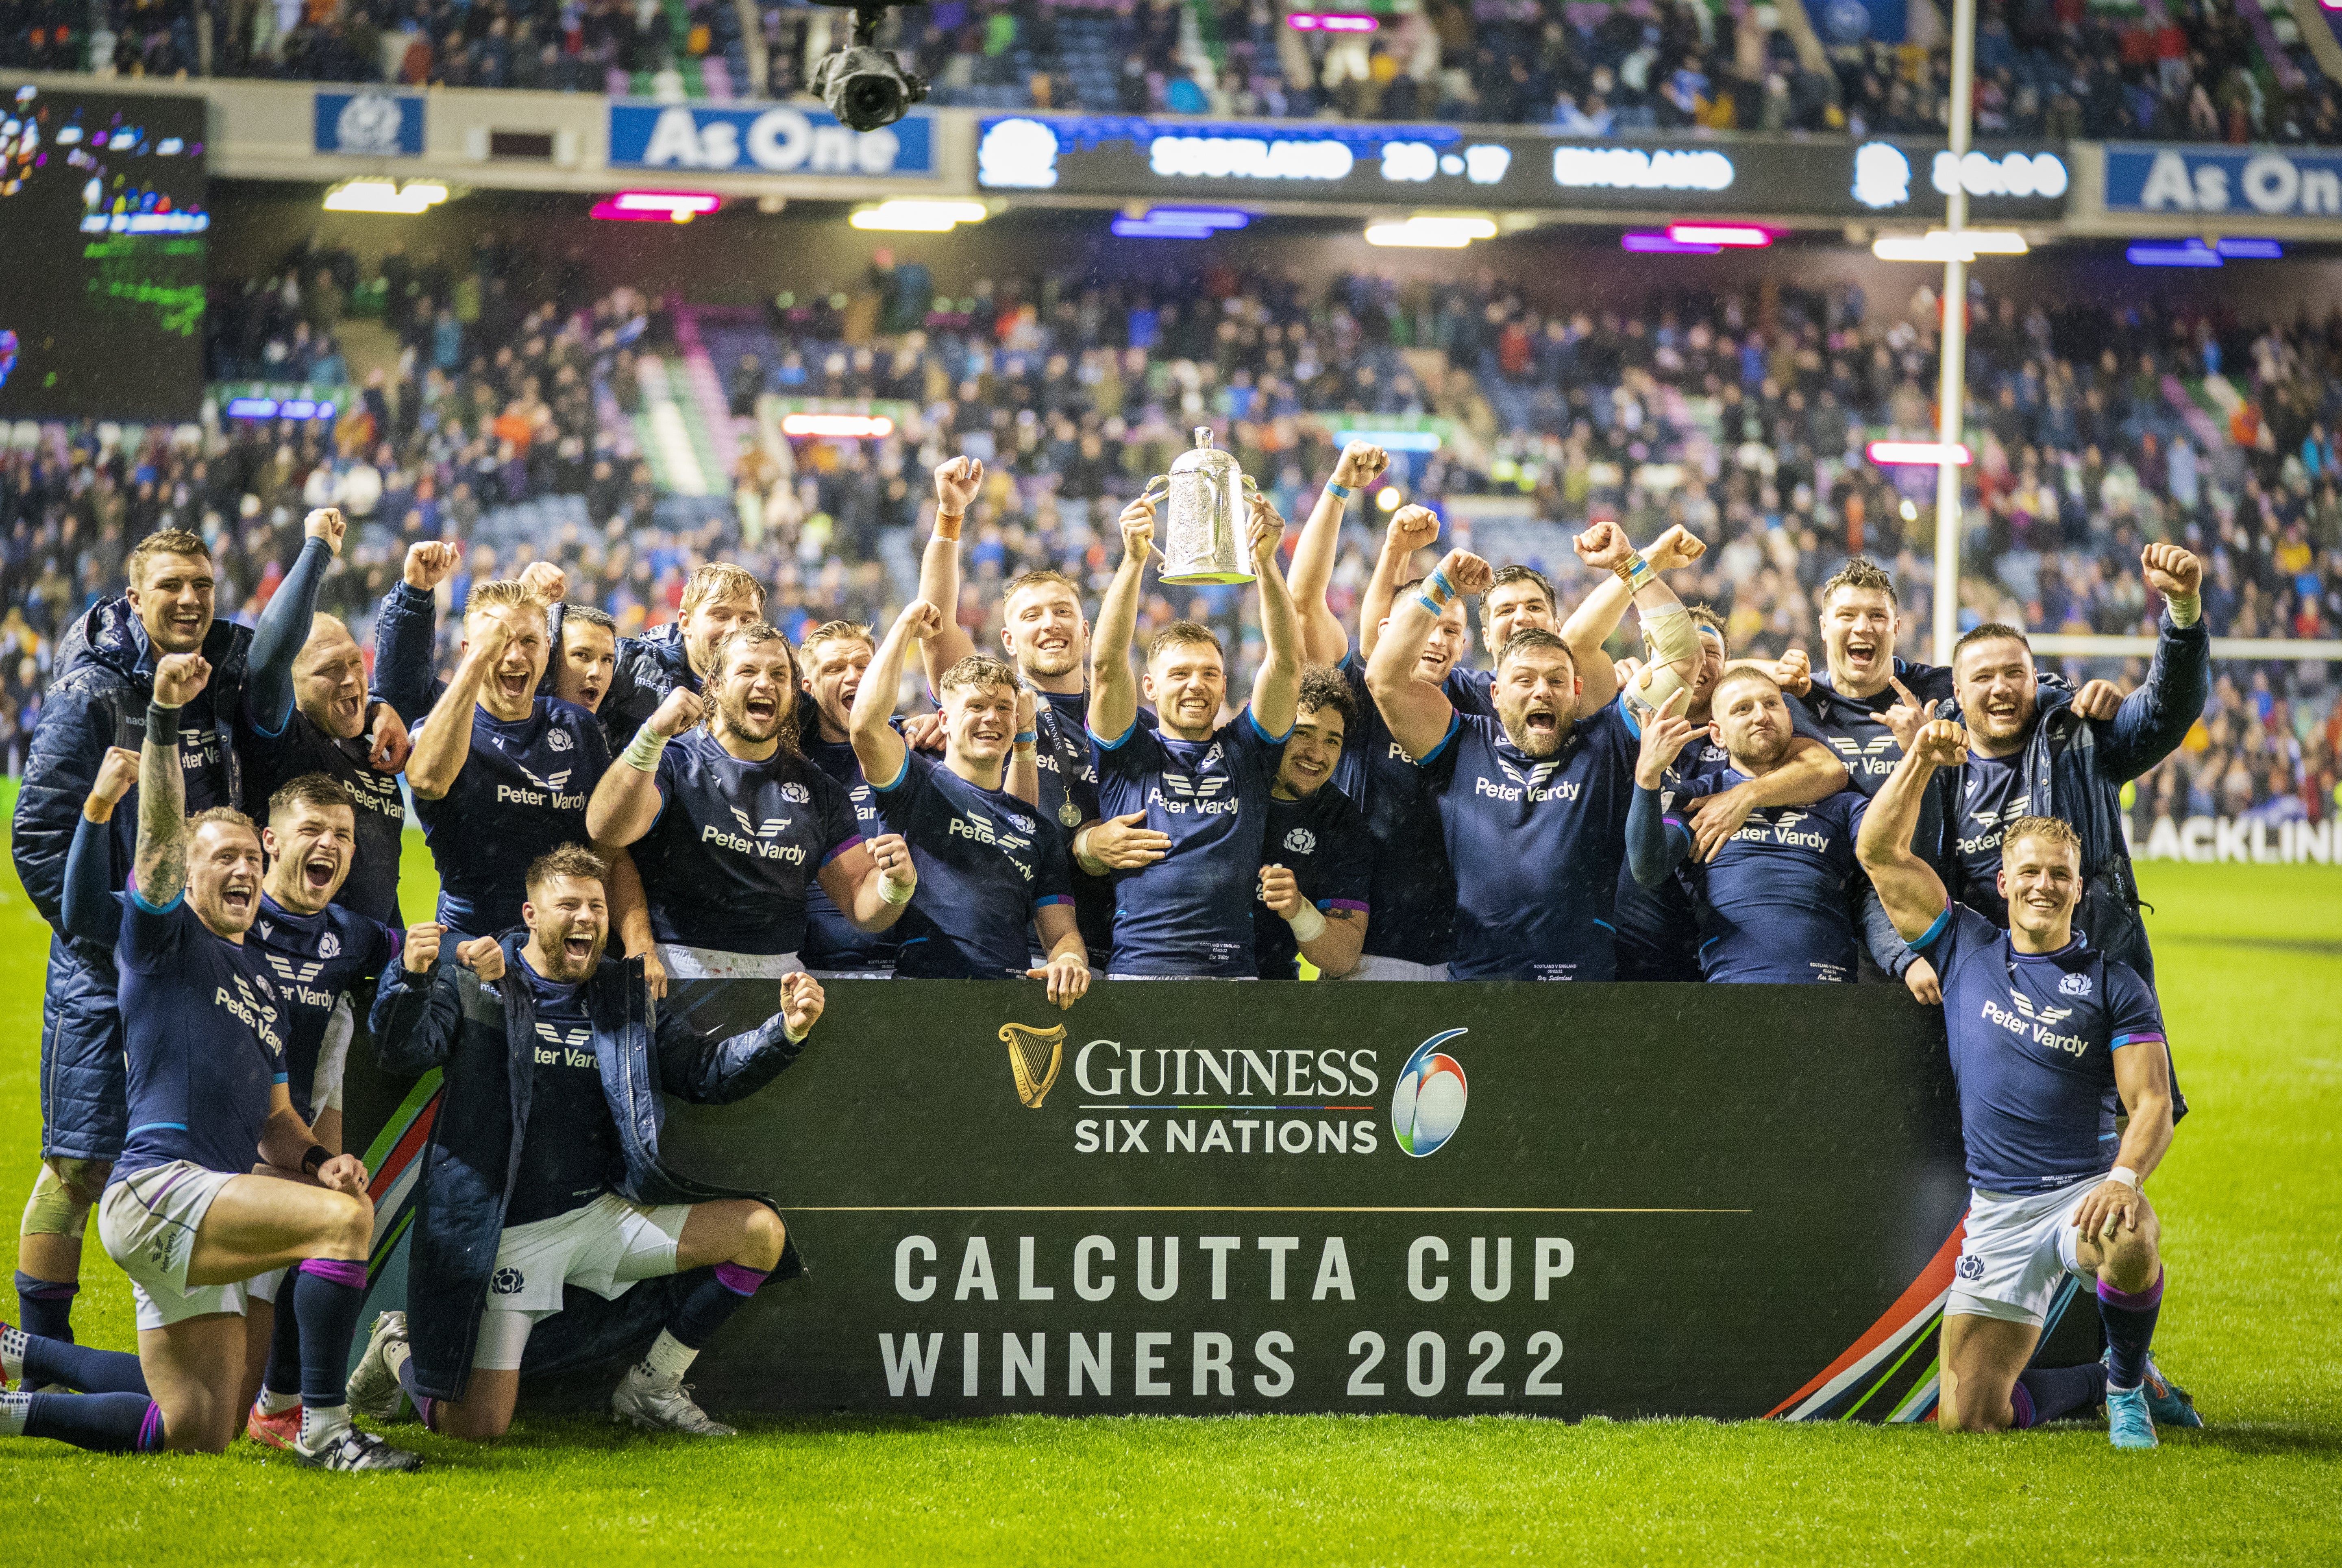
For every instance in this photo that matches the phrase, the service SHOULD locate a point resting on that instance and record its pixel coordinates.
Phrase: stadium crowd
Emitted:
(2194, 71)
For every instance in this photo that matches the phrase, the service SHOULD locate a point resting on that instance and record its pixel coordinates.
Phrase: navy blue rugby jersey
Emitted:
(2033, 1037)
(1411, 883)
(1190, 913)
(1538, 844)
(1776, 906)
(1322, 839)
(832, 941)
(203, 1036)
(521, 792)
(569, 1152)
(315, 960)
(986, 862)
(737, 845)
(1658, 934)
(372, 887)
(1988, 794)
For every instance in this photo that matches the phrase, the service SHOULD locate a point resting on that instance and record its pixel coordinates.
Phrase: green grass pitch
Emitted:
(2252, 1205)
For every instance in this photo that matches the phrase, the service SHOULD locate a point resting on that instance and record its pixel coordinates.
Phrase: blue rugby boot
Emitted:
(2170, 1404)
(2129, 1424)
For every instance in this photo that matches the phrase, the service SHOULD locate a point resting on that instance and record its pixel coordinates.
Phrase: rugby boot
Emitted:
(278, 1430)
(654, 1406)
(2170, 1404)
(2128, 1422)
(375, 1392)
(350, 1449)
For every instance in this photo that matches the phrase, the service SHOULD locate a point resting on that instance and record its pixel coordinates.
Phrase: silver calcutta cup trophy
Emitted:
(1204, 538)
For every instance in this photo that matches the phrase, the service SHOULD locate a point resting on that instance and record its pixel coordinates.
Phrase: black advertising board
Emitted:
(103, 231)
(1449, 167)
(1728, 1201)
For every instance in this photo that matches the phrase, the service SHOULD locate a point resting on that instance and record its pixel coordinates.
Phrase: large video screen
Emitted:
(101, 236)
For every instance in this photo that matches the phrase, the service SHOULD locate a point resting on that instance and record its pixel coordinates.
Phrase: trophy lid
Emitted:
(1204, 456)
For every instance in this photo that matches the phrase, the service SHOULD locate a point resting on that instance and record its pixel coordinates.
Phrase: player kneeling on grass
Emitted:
(206, 1032)
(559, 1051)
(2049, 1038)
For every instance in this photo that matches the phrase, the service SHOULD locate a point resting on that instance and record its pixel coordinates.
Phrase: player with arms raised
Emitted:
(2050, 1038)
(1202, 784)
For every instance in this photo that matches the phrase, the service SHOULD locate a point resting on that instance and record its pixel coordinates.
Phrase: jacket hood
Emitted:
(111, 634)
(664, 643)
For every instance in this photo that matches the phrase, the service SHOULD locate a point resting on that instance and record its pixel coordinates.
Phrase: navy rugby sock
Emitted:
(426, 1407)
(78, 1367)
(282, 1376)
(2044, 1393)
(711, 1306)
(2129, 1319)
(101, 1423)
(44, 1307)
(327, 1293)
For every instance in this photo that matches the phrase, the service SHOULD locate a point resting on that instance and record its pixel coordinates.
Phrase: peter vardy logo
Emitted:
(1427, 1101)
(771, 826)
(299, 974)
(2045, 1013)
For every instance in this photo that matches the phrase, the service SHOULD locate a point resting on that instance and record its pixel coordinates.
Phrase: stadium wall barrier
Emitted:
(1430, 1199)
(2256, 840)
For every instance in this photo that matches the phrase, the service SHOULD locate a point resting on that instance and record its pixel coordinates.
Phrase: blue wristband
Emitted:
(1027, 737)
(1428, 603)
(1342, 490)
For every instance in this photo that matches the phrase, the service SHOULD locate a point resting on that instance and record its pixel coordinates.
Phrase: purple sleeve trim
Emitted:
(1053, 899)
(842, 846)
(2123, 1039)
(1357, 905)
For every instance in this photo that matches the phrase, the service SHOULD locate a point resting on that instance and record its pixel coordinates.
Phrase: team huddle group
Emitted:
(211, 821)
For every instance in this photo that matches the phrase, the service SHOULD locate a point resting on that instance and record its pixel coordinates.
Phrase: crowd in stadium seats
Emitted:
(2200, 70)
(509, 422)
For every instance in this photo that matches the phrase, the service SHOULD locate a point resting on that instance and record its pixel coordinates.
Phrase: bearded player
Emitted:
(2051, 1039)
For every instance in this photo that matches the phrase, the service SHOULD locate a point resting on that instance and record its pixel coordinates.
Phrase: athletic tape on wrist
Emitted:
(1635, 572)
(2126, 1175)
(895, 892)
(947, 524)
(641, 753)
(1309, 924)
(1340, 492)
(2185, 612)
(1438, 590)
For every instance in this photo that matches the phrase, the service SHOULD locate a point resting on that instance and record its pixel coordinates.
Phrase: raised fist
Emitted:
(483, 956)
(956, 482)
(1466, 573)
(115, 776)
(801, 1003)
(1603, 546)
(1361, 463)
(1280, 892)
(487, 643)
(1941, 743)
(178, 677)
(1678, 547)
(1138, 525)
(1793, 672)
(1414, 528)
(429, 562)
(546, 580)
(325, 522)
(2171, 571)
(1267, 528)
(919, 620)
(679, 711)
(422, 950)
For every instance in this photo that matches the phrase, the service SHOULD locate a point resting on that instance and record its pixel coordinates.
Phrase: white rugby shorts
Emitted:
(603, 1246)
(147, 1223)
(1372, 966)
(2016, 1252)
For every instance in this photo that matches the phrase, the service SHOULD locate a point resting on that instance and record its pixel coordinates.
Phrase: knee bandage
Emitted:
(52, 1209)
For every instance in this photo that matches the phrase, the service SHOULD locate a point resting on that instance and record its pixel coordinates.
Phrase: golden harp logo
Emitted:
(1034, 1055)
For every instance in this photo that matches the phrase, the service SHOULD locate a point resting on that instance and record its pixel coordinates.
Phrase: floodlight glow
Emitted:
(385, 197)
(1921, 453)
(1718, 234)
(655, 207)
(1939, 246)
(1435, 233)
(2194, 253)
(1387, 497)
(845, 427)
(1330, 22)
(1392, 440)
(2251, 250)
(1647, 243)
(910, 216)
(1180, 223)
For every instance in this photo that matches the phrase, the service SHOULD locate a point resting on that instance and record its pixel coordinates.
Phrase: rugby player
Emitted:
(716, 596)
(1317, 861)
(405, 626)
(320, 951)
(1047, 640)
(2030, 754)
(204, 1030)
(988, 864)
(1533, 801)
(832, 661)
(104, 668)
(1202, 784)
(586, 641)
(500, 774)
(2050, 1036)
(735, 827)
(584, 1198)
(1774, 904)
(1408, 880)
(1864, 698)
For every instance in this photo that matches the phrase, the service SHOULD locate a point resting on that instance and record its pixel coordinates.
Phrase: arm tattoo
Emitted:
(162, 854)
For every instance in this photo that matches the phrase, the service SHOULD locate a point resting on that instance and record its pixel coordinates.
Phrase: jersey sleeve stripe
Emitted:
(282, 1078)
(140, 898)
(842, 847)
(1117, 743)
(897, 784)
(1455, 723)
(1261, 730)
(1358, 905)
(2123, 1039)
(1048, 899)
(1943, 923)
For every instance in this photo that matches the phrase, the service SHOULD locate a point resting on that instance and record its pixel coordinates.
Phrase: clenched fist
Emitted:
(325, 522)
(179, 677)
(429, 562)
(677, 712)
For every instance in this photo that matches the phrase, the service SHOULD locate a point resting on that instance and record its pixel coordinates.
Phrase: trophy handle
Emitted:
(1151, 493)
